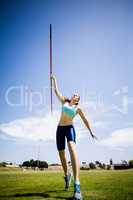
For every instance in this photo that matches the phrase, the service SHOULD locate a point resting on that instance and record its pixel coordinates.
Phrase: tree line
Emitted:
(35, 163)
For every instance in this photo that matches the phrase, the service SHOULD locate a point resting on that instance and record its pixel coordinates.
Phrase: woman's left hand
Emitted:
(94, 137)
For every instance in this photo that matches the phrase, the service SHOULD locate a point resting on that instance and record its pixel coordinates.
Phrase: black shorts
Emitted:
(62, 133)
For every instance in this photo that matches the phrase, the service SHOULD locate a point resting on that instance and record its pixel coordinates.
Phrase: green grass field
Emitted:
(96, 185)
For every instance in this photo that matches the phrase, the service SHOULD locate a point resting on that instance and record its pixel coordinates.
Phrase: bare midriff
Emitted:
(65, 120)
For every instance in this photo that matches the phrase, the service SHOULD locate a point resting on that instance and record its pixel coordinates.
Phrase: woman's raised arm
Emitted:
(57, 92)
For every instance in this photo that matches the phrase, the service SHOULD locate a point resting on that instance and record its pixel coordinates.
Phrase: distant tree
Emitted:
(43, 164)
(35, 163)
(3, 164)
(26, 164)
(130, 163)
(97, 163)
(92, 165)
(31, 162)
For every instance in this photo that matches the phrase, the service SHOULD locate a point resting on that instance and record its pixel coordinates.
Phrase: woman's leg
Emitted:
(75, 166)
(63, 161)
(74, 160)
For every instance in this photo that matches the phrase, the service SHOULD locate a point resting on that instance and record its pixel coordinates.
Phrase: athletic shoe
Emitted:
(77, 193)
(67, 179)
(77, 196)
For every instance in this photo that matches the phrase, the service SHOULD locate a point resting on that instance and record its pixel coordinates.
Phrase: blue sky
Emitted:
(92, 54)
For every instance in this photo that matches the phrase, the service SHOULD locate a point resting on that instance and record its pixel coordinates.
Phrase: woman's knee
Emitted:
(62, 153)
(71, 147)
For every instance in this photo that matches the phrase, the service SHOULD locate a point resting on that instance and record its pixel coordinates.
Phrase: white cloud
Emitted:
(35, 128)
(121, 138)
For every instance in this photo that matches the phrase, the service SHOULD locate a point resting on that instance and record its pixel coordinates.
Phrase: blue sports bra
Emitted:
(69, 110)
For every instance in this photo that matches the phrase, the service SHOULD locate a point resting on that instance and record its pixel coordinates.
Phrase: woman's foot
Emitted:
(77, 196)
(77, 192)
(67, 179)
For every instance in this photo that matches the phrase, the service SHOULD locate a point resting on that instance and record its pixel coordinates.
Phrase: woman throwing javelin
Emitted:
(65, 130)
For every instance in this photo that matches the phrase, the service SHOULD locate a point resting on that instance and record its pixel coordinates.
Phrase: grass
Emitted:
(96, 185)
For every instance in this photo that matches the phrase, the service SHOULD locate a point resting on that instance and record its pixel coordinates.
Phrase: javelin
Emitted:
(51, 99)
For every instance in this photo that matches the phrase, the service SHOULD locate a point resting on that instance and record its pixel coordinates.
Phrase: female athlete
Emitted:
(66, 130)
